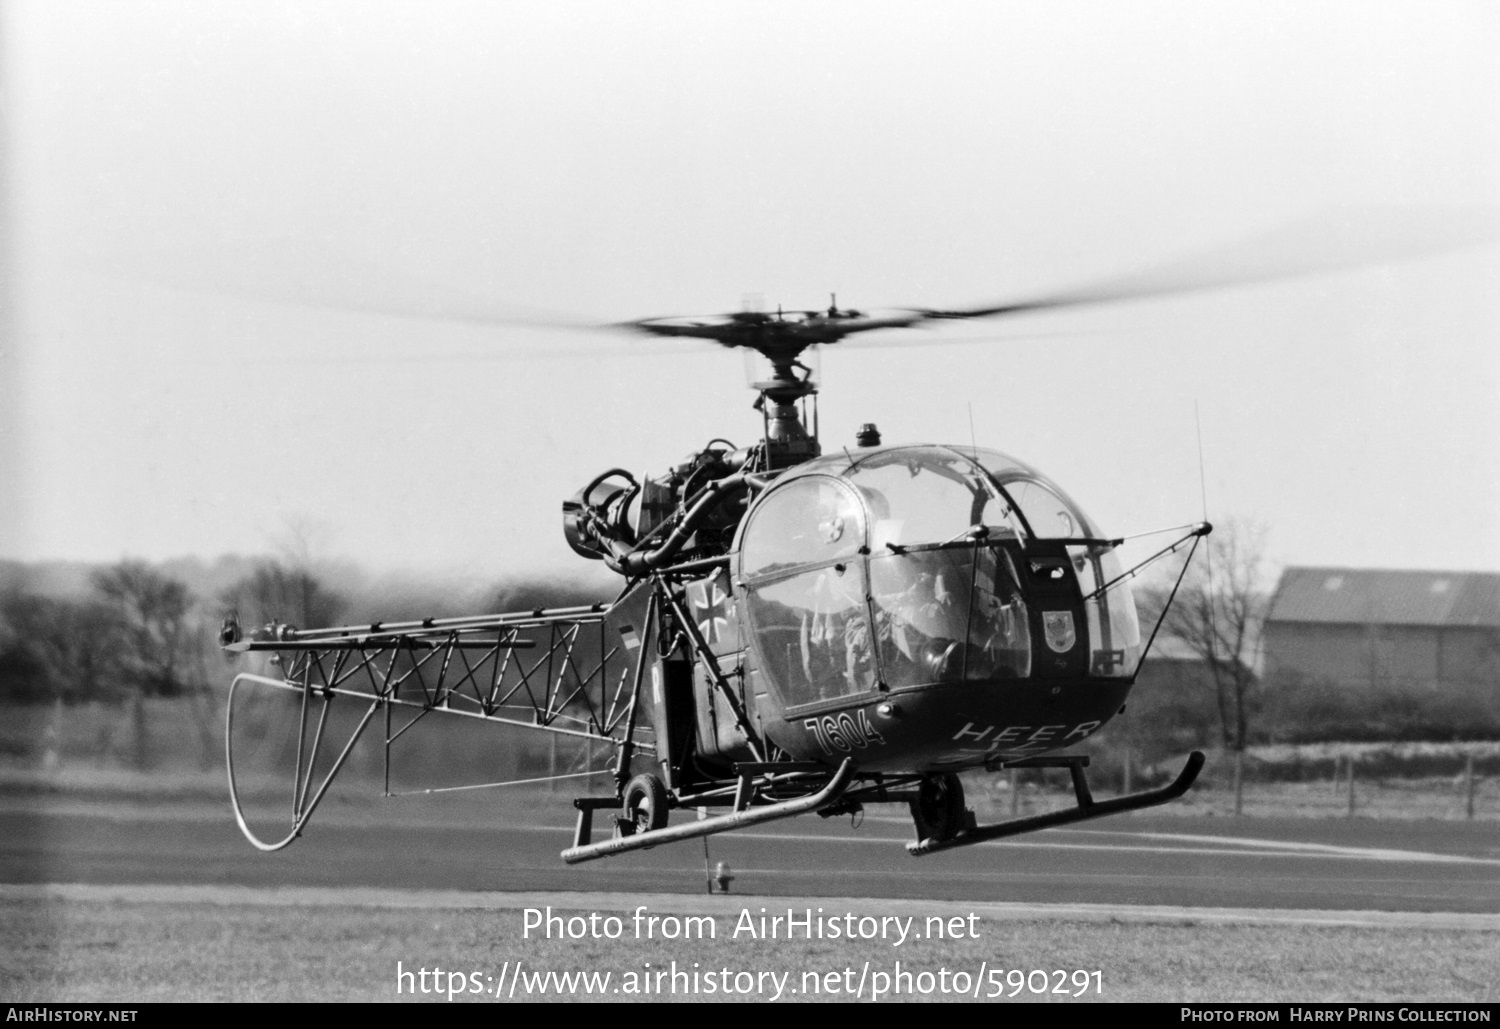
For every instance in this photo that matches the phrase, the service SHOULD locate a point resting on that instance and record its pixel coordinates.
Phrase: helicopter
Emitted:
(798, 629)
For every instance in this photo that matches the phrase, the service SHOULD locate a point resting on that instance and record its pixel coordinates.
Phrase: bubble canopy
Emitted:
(910, 566)
(908, 495)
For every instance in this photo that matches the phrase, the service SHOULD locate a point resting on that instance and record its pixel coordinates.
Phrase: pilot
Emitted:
(836, 634)
(921, 618)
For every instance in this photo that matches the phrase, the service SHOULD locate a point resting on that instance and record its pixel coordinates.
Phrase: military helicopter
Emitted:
(798, 629)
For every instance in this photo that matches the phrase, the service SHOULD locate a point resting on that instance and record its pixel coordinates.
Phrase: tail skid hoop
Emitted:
(302, 805)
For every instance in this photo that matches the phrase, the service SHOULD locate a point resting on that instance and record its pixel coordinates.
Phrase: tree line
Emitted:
(136, 631)
(132, 634)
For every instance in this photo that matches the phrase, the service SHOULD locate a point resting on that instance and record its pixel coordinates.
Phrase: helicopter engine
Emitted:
(599, 511)
(615, 516)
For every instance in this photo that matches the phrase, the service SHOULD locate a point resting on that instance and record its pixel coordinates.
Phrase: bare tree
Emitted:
(152, 615)
(275, 592)
(58, 649)
(1218, 614)
(156, 640)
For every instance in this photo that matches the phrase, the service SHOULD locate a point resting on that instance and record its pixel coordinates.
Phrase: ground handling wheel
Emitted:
(645, 805)
(939, 811)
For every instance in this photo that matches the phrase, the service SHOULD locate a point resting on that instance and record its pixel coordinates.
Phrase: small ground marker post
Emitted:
(708, 875)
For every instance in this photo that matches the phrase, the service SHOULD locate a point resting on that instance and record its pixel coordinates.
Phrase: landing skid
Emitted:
(583, 850)
(1086, 808)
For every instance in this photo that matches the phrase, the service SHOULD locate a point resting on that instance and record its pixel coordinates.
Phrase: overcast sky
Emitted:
(210, 205)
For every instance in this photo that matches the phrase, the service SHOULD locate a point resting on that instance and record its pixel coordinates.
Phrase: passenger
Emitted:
(836, 654)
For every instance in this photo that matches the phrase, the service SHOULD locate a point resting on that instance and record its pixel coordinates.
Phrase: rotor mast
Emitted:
(781, 338)
(787, 439)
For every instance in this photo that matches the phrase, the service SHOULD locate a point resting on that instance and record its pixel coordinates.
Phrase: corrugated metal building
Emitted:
(1384, 628)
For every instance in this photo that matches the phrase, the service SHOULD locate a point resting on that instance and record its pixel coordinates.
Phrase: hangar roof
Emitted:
(1365, 596)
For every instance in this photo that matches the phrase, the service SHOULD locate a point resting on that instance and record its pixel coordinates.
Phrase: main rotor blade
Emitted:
(307, 274)
(1333, 243)
(754, 330)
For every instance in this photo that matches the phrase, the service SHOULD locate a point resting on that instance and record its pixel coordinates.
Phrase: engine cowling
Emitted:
(600, 510)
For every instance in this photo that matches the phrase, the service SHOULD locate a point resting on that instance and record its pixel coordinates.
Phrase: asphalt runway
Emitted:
(1143, 859)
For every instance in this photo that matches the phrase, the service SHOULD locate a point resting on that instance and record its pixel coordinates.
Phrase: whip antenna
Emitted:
(1202, 479)
(1208, 551)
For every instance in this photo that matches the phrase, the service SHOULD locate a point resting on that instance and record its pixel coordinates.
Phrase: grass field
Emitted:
(85, 950)
(123, 952)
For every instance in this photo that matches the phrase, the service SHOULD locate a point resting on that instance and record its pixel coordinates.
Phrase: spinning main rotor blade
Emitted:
(309, 274)
(1317, 246)
(1343, 242)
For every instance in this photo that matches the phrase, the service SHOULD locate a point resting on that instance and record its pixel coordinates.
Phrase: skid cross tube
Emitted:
(1087, 808)
(585, 851)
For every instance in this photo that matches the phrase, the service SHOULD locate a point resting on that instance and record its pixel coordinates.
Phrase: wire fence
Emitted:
(1410, 781)
(174, 741)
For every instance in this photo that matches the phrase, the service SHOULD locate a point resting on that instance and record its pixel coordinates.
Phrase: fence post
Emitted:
(140, 744)
(1469, 786)
(1125, 773)
(52, 738)
(1350, 813)
(1015, 792)
(1239, 781)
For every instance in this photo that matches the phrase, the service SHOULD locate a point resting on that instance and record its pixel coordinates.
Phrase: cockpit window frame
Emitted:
(773, 496)
(843, 463)
(1011, 534)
